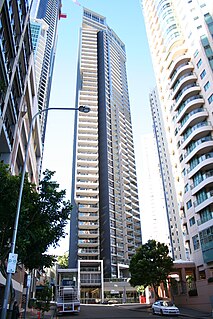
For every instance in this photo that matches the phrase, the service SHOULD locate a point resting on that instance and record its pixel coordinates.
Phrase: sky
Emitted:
(126, 19)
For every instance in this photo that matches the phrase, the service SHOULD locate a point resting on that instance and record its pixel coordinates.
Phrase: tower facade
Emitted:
(180, 39)
(105, 220)
(18, 96)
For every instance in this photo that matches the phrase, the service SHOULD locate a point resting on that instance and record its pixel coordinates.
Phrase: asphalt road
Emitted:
(110, 311)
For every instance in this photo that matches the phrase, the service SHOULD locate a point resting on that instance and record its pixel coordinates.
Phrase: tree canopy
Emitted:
(43, 216)
(150, 265)
(63, 260)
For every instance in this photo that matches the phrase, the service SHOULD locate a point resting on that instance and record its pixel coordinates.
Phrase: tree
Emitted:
(63, 260)
(150, 265)
(43, 217)
(43, 298)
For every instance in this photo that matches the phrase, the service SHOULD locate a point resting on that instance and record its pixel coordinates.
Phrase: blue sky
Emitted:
(126, 19)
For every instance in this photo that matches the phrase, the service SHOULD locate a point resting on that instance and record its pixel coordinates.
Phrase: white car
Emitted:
(165, 308)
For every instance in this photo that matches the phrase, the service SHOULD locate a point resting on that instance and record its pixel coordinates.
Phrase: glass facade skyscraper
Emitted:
(48, 11)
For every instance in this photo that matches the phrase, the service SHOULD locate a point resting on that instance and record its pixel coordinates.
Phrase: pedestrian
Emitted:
(15, 313)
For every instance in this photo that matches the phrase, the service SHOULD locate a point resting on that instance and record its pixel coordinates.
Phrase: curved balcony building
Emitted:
(180, 38)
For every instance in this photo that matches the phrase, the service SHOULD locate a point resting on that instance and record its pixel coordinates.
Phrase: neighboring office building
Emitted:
(180, 38)
(105, 225)
(153, 214)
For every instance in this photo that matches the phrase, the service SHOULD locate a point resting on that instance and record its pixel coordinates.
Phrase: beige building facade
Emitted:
(180, 39)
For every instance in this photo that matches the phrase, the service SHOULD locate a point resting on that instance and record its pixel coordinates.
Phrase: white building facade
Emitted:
(153, 212)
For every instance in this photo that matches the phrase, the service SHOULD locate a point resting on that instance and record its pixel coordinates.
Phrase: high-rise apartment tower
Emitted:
(180, 38)
(171, 186)
(105, 220)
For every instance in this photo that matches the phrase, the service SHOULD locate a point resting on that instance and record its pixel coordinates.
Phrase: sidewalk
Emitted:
(34, 314)
(191, 313)
(186, 312)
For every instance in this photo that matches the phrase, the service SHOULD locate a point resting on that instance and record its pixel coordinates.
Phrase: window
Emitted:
(186, 188)
(196, 53)
(189, 204)
(196, 242)
(210, 99)
(206, 86)
(192, 221)
(203, 73)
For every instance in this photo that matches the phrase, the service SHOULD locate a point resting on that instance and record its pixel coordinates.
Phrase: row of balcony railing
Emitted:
(203, 198)
(199, 160)
(195, 127)
(185, 119)
(197, 143)
(205, 219)
(184, 89)
(201, 178)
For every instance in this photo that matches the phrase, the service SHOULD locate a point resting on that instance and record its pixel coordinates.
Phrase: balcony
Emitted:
(185, 79)
(205, 200)
(182, 63)
(200, 162)
(205, 143)
(192, 118)
(199, 130)
(88, 251)
(187, 92)
(207, 248)
(205, 219)
(204, 180)
(189, 104)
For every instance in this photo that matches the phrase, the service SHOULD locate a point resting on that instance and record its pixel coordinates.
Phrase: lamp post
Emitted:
(81, 108)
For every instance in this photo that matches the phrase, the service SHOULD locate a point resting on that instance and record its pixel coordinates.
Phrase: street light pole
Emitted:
(84, 109)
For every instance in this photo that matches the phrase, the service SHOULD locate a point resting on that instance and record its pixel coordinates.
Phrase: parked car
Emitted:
(163, 307)
(112, 301)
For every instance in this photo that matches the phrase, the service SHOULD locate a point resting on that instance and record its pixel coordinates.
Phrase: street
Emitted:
(116, 312)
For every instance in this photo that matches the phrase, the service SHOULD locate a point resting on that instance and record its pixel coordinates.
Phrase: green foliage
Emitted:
(150, 265)
(43, 217)
(63, 260)
(43, 298)
(140, 289)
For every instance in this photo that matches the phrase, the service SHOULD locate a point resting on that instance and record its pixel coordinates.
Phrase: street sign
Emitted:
(12, 261)
(28, 280)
